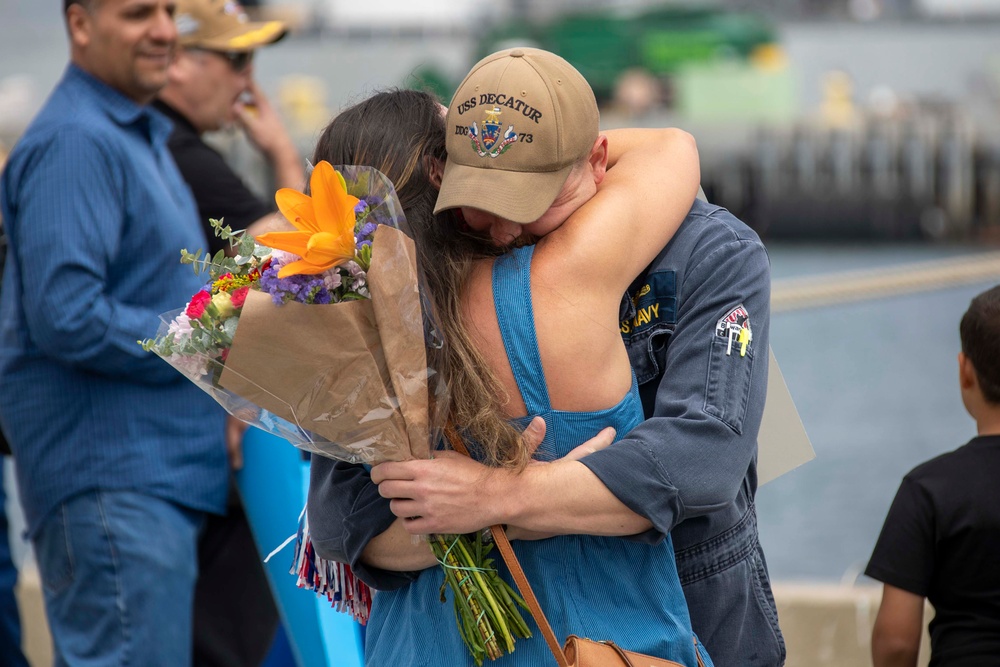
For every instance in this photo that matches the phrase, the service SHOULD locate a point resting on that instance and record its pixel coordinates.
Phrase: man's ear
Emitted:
(967, 378)
(599, 159)
(435, 170)
(78, 24)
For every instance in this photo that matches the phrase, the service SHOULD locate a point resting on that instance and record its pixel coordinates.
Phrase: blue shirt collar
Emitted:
(121, 109)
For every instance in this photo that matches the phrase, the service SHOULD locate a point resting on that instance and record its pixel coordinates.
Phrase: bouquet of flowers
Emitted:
(320, 336)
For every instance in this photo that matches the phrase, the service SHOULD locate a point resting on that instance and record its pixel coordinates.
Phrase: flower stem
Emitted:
(490, 600)
(466, 590)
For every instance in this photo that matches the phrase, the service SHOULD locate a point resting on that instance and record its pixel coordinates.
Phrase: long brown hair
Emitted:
(402, 134)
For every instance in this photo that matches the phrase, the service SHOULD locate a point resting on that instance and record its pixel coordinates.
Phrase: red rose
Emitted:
(196, 308)
(239, 296)
(225, 354)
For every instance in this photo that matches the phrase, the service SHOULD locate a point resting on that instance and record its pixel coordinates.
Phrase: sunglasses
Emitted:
(238, 60)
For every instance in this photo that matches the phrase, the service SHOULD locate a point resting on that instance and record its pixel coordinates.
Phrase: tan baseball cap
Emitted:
(223, 25)
(517, 125)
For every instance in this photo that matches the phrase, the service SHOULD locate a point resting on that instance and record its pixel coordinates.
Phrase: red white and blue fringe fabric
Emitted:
(327, 578)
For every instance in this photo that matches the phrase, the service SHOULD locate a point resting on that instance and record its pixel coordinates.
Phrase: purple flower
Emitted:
(365, 234)
(332, 280)
(301, 288)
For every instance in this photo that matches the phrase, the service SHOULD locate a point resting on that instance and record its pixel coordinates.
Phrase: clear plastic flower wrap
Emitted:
(333, 358)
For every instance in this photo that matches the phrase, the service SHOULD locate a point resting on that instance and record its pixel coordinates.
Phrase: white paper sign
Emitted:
(782, 443)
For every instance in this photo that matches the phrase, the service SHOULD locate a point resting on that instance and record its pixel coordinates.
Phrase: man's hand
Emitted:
(534, 434)
(261, 121)
(265, 130)
(234, 441)
(452, 493)
(595, 444)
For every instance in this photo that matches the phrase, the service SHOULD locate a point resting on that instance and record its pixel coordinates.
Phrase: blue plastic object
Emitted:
(274, 482)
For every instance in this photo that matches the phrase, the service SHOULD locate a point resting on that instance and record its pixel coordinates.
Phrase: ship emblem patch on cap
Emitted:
(489, 143)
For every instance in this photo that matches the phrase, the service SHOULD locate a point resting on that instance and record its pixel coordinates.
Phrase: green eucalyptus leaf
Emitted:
(246, 246)
(223, 232)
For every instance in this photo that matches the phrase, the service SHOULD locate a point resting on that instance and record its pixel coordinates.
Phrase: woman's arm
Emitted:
(398, 550)
(648, 190)
(347, 515)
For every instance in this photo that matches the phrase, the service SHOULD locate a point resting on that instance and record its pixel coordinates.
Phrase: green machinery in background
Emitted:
(604, 44)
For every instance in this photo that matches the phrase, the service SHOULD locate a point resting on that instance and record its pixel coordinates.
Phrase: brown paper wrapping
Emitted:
(395, 294)
(353, 373)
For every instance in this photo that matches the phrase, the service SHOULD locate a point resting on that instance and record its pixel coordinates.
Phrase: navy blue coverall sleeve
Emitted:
(692, 454)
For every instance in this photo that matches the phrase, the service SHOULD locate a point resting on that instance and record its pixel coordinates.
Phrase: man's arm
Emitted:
(691, 457)
(452, 493)
(896, 635)
(68, 224)
(351, 522)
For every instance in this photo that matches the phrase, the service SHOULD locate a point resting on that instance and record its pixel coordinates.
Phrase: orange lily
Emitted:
(325, 222)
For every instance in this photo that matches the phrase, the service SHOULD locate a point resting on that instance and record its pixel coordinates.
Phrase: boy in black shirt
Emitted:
(941, 538)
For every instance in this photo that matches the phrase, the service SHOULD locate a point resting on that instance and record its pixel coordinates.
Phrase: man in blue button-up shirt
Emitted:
(118, 456)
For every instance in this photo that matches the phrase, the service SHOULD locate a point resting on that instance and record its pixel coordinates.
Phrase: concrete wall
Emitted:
(831, 626)
(824, 625)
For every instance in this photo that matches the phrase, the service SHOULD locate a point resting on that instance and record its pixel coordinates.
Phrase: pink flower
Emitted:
(196, 307)
(239, 296)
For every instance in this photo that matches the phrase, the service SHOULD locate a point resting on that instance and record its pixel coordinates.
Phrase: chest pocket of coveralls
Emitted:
(649, 315)
(728, 387)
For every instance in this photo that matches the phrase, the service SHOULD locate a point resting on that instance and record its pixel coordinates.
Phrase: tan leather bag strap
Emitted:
(500, 538)
(514, 565)
(621, 653)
